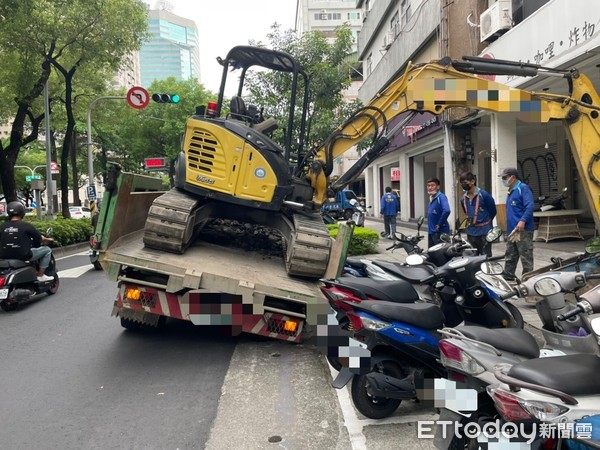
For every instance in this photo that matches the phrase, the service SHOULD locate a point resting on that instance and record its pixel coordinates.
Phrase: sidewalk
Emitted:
(542, 252)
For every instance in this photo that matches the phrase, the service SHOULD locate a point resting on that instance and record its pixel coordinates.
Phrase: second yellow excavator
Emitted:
(230, 167)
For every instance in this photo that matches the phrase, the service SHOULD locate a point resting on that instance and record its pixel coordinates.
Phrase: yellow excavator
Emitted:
(231, 168)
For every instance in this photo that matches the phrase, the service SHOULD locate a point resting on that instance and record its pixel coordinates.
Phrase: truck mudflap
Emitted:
(202, 307)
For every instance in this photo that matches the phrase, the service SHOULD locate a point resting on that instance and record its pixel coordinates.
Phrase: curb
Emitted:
(69, 250)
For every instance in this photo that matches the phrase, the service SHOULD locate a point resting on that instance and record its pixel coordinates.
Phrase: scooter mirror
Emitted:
(414, 260)
(492, 268)
(547, 286)
(593, 245)
(595, 324)
(420, 220)
(49, 231)
(444, 237)
(493, 234)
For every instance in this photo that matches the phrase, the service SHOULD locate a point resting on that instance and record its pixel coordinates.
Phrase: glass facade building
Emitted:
(172, 50)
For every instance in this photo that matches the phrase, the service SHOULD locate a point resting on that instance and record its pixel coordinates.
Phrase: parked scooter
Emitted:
(19, 282)
(402, 341)
(474, 353)
(553, 202)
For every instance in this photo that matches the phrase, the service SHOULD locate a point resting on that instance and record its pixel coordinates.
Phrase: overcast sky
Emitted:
(223, 24)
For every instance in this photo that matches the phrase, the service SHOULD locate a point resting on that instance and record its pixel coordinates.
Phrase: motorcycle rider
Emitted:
(20, 240)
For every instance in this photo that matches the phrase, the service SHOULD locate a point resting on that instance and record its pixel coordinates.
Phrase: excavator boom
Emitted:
(436, 86)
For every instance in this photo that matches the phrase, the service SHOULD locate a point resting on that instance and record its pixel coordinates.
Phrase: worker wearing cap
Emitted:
(519, 223)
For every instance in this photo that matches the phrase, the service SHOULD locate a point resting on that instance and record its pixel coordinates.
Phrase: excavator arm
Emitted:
(434, 87)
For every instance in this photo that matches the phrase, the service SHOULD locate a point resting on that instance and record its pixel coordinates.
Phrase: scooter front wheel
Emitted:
(519, 322)
(369, 405)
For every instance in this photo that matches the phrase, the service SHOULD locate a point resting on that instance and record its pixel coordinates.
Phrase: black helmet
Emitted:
(15, 209)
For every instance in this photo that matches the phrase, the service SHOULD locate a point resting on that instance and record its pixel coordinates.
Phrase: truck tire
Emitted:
(369, 405)
(348, 214)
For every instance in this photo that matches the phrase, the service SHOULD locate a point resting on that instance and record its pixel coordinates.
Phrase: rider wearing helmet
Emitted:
(20, 240)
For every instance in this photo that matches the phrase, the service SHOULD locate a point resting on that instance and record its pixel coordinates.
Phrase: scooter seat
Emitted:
(423, 315)
(513, 340)
(397, 291)
(572, 374)
(12, 263)
(413, 274)
(355, 262)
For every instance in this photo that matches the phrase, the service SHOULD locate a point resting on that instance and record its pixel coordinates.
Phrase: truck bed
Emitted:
(210, 267)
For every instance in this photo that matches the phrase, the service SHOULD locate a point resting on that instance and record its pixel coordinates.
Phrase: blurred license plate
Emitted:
(3, 294)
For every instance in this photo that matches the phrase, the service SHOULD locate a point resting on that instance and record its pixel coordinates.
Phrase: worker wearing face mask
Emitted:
(480, 207)
(519, 223)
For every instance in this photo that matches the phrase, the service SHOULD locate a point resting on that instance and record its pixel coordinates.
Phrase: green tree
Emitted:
(38, 35)
(328, 67)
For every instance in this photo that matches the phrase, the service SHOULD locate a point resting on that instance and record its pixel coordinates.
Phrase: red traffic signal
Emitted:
(156, 163)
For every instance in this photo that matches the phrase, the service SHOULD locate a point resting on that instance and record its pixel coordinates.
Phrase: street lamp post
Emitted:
(89, 135)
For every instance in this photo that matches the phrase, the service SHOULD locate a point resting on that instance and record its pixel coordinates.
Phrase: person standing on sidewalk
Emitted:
(481, 208)
(437, 213)
(389, 209)
(519, 223)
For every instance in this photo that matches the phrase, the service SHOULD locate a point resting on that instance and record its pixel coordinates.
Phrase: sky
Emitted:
(223, 24)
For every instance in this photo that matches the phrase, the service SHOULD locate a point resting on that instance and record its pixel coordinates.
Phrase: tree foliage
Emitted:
(326, 63)
(37, 36)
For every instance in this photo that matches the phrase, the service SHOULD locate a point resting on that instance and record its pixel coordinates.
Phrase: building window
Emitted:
(328, 16)
(405, 11)
(353, 16)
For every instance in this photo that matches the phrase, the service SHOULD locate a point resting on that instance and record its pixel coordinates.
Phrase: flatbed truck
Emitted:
(208, 285)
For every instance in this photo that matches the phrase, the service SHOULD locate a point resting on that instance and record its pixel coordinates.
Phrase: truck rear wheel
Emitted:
(348, 214)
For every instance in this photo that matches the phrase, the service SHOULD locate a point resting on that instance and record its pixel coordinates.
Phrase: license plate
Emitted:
(3, 294)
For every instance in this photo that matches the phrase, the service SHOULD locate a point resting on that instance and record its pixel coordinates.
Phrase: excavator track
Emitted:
(175, 218)
(171, 222)
(307, 253)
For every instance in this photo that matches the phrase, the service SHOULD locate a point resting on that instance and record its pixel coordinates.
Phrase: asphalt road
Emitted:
(74, 379)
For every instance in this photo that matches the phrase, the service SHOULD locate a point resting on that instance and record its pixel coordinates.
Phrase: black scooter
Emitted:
(19, 283)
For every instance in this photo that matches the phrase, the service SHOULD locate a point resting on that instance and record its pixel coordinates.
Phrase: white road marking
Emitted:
(74, 254)
(355, 425)
(75, 272)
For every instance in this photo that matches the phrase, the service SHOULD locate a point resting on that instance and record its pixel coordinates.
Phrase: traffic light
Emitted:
(165, 98)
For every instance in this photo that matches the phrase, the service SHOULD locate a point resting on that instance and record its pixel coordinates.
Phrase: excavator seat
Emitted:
(237, 108)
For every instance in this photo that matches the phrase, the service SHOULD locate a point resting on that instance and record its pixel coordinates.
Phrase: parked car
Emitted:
(80, 212)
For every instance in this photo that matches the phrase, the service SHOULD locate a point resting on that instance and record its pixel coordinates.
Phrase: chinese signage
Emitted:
(563, 31)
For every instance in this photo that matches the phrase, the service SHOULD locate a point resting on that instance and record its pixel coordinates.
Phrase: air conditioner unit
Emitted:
(388, 39)
(495, 20)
